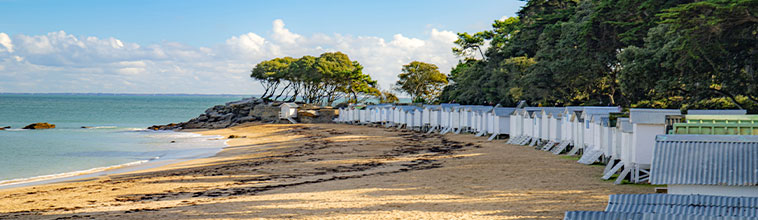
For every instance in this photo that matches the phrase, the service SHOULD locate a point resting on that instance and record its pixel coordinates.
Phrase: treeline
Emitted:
(637, 53)
(323, 79)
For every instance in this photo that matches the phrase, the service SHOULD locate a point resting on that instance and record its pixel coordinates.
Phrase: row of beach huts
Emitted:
(708, 159)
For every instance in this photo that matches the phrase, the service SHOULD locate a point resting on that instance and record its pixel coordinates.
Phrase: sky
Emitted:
(209, 47)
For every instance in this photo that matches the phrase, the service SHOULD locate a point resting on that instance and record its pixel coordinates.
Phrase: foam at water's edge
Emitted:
(74, 174)
(70, 174)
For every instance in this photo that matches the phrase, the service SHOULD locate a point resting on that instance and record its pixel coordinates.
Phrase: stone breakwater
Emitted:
(249, 110)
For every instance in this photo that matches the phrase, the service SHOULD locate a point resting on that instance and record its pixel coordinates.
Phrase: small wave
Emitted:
(70, 174)
(100, 127)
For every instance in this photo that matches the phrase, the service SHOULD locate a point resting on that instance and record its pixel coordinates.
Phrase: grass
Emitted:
(575, 158)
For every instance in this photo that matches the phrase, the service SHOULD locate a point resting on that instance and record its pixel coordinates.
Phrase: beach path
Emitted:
(334, 171)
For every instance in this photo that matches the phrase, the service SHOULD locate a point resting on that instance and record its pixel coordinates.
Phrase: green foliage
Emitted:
(322, 79)
(639, 53)
(387, 97)
(422, 81)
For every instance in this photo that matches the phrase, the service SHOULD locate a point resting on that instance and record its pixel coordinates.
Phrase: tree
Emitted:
(387, 97)
(421, 81)
(323, 79)
(271, 73)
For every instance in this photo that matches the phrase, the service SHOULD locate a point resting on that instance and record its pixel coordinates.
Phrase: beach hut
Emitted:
(445, 118)
(347, 114)
(670, 206)
(432, 113)
(288, 110)
(566, 129)
(499, 121)
(715, 128)
(554, 127)
(428, 113)
(418, 113)
(471, 117)
(476, 125)
(544, 115)
(586, 133)
(723, 165)
(624, 132)
(516, 128)
(409, 117)
(717, 112)
(577, 135)
(646, 124)
(363, 116)
(528, 126)
(397, 120)
(387, 115)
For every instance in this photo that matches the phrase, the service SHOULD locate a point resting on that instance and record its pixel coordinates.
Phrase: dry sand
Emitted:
(331, 171)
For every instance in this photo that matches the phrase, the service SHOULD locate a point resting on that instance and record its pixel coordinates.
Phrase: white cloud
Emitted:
(5, 41)
(62, 62)
(284, 35)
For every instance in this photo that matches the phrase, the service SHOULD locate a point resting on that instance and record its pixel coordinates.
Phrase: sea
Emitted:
(96, 133)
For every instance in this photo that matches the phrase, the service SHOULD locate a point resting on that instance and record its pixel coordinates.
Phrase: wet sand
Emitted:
(332, 171)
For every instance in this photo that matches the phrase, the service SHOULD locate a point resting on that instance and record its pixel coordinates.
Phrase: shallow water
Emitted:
(115, 136)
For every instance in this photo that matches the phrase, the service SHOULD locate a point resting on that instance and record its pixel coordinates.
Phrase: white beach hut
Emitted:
(471, 117)
(544, 124)
(346, 114)
(426, 116)
(722, 165)
(418, 114)
(528, 126)
(554, 130)
(433, 115)
(621, 152)
(499, 121)
(515, 134)
(646, 124)
(288, 111)
(445, 117)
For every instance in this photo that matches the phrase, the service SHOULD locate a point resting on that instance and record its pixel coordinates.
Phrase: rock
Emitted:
(307, 113)
(170, 126)
(42, 125)
(265, 112)
(235, 136)
(86, 127)
(173, 142)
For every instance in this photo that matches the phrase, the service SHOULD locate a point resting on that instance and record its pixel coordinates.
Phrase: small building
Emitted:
(646, 124)
(668, 206)
(717, 112)
(723, 165)
(499, 121)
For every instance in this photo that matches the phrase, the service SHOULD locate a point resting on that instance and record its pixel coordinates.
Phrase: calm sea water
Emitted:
(116, 136)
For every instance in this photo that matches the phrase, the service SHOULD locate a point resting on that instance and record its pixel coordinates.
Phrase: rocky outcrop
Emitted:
(266, 113)
(41, 125)
(246, 110)
(316, 114)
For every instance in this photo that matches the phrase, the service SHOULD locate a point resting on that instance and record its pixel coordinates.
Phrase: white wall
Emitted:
(749, 191)
(644, 142)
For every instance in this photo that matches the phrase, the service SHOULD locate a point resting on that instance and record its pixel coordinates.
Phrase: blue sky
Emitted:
(200, 46)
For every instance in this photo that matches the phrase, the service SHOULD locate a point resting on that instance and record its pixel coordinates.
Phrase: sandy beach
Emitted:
(333, 171)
